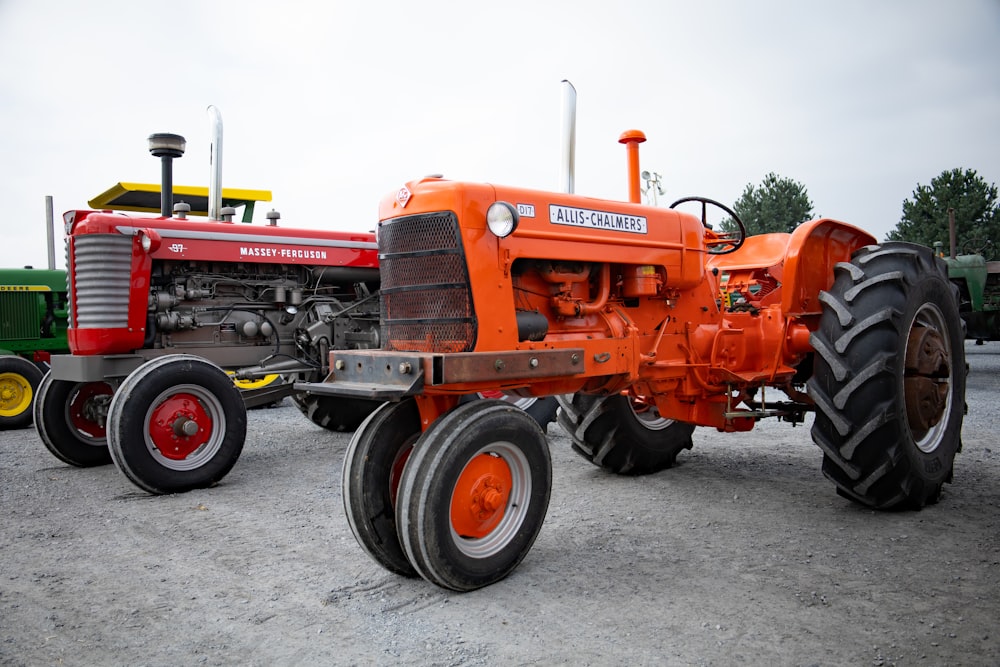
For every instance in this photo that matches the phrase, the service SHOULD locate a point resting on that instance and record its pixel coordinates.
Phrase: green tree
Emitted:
(977, 224)
(777, 205)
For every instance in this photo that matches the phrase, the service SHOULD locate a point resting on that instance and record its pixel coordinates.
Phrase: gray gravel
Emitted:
(743, 554)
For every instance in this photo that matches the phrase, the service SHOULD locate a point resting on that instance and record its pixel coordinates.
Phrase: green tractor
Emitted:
(979, 286)
(978, 282)
(33, 315)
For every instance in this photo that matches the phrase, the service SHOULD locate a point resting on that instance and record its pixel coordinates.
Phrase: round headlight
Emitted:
(149, 240)
(501, 218)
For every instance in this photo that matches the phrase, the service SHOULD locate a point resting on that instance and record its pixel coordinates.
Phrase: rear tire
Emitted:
(70, 419)
(333, 412)
(622, 435)
(889, 378)
(19, 380)
(540, 408)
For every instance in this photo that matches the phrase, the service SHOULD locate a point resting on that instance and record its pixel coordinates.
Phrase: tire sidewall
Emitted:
(127, 428)
(32, 375)
(935, 466)
(55, 431)
(368, 463)
(429, 481)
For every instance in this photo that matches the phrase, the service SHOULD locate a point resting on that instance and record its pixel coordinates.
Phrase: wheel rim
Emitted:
(250, 385)
(647, 415)
(927, 378)
(87, 411)
(396, 469)
(490, 500)
(523, 402)
(184, 427)
(15, 394)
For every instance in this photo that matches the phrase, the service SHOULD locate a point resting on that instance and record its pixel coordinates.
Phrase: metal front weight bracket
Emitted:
(381, 375)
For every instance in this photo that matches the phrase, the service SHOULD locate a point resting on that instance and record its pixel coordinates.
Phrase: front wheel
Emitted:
(177, 423)
(889, 377)
(373, 466)
(474, 494)
(19, 380)
(71, 419)
(622, 434)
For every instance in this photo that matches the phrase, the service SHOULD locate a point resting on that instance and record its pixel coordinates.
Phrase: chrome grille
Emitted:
(102, 270)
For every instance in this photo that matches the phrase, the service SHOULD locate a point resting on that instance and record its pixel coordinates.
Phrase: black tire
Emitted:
(373, 467)
(474, 494)
(177, 423)
(333, 412)
(70, 419)
(621, 435)
(889, 377)
(542, 408)
(19, 380)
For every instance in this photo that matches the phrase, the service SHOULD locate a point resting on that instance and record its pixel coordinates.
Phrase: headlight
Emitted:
(501, 218)
(149, 240)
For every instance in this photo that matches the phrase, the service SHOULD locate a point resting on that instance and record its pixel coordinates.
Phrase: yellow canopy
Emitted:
(145, 197)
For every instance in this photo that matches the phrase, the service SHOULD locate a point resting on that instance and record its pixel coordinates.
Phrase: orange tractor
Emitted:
(646, 322)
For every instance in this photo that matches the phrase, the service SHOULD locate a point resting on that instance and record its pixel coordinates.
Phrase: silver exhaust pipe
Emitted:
(215, 160)
(568, 171)
(50, 239)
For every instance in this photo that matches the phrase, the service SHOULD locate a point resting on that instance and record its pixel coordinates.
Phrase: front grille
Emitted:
(19, 318)
(426, 300)
(102, 270)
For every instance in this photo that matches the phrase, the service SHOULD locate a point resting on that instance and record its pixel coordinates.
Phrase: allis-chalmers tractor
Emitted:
(647, 323)
(160, 305)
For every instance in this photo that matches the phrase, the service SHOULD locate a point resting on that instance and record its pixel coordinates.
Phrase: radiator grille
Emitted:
(102, 267)
(19, 318)
(426, 300)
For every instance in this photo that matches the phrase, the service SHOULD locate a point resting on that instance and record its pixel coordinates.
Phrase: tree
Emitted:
(778, 205)
(977, 224)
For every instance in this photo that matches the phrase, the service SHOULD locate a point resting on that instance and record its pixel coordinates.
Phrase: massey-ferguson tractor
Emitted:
(646, 322)
(161, 305)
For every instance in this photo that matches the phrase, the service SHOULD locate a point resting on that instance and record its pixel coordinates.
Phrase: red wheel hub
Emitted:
(479, 500)
(83, 411)
(179, 426)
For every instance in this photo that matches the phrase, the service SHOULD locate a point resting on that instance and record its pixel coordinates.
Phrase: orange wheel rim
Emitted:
(479, 500)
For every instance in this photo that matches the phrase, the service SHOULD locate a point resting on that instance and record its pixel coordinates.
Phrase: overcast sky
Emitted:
(333, 104)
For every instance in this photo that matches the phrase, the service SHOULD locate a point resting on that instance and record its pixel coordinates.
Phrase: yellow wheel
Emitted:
(19, 380)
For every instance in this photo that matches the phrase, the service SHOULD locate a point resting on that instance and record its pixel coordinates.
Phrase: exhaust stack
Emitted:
(215, 160)
(166, 147)
(567, 174)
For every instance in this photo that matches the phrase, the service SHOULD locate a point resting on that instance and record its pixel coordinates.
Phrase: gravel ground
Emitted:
(743, 554)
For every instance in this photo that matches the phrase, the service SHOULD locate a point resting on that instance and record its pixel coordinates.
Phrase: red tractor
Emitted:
(646, 322)
(161, 305)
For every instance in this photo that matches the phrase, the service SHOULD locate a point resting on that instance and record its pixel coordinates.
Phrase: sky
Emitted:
(331, 105)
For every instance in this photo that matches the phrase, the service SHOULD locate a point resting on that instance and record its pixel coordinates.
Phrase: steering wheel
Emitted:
(976, 246)
(724, 242)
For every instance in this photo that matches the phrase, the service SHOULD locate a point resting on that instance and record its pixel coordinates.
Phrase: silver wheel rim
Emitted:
(515, 511)
(209, 449)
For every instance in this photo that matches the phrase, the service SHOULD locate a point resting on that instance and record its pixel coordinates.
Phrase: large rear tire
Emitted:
(621, 434)
(540, 408)
(889, 377)
(333, 412)
(177, 423)
(373, 466)
(474, 494)
(19, 380)
(71, 418)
